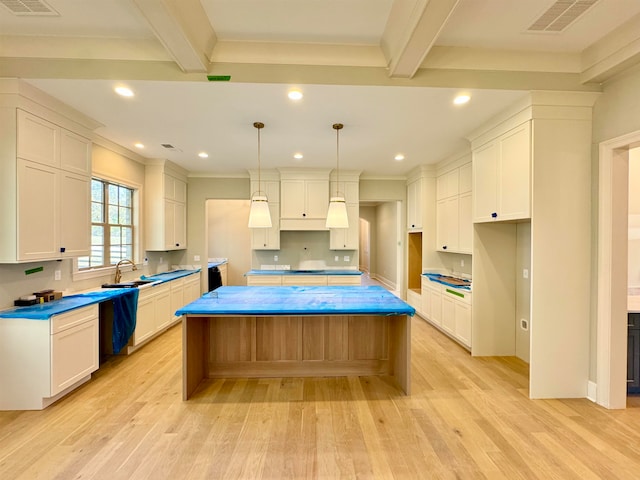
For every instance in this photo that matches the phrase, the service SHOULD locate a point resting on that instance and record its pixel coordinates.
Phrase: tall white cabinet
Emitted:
(45, 179)
(533, 165)
(165, 206)
(453, 210)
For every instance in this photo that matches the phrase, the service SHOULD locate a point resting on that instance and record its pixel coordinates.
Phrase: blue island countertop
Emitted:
(303, 272)
(338, 300)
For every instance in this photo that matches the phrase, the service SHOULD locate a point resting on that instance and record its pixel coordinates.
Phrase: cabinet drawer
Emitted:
(70, 319)
(263, 280)
(344, 280)
(457, 294)
(145, 293)
(304, 280)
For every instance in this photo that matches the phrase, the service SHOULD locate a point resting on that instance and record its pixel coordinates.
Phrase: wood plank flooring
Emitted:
(467, 418)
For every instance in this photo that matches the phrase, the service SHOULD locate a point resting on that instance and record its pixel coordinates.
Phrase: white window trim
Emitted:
(138, 253)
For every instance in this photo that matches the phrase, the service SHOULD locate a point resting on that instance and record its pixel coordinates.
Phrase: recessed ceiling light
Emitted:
(203, 155)
(139, 145)
(298, 156)
(295, 94)
(399, 157)
(461, 99)
(124, 91)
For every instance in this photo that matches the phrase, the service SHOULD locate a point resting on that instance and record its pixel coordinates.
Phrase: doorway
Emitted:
(613, 263)
(229, 237)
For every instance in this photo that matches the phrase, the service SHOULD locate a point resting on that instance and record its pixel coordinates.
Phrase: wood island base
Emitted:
(219, 346)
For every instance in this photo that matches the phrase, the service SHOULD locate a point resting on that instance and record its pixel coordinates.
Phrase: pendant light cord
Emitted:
(258, 126)
(337, 127)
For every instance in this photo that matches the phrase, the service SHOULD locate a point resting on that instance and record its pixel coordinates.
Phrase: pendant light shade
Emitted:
(337, 213)
(259, 215)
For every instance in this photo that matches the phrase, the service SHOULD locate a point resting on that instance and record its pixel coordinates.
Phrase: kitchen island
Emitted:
(296, 332)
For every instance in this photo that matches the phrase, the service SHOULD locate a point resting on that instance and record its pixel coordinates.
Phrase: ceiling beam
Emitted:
(183, 28)
(412, 29)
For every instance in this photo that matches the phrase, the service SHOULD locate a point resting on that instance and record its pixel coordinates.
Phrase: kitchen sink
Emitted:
(132, 284)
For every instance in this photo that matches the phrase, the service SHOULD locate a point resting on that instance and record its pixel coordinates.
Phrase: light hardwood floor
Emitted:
(467, 418)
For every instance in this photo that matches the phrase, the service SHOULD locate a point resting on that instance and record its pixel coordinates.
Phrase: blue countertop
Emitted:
(447, 280)
(42, 311)
(303, 272)
(348, 300)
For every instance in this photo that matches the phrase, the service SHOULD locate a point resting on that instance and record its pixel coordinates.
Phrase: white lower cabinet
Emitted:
(177, 297)
(42, 360)
(191, 289)
(302, 280)
(449, 309)
(154, 312)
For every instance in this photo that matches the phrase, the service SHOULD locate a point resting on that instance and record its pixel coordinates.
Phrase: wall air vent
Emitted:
(560, 15)
(29, 8)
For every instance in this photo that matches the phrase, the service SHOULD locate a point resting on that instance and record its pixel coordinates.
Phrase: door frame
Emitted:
(611, 324)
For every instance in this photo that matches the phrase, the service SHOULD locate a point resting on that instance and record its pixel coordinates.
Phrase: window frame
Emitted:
(137, 254)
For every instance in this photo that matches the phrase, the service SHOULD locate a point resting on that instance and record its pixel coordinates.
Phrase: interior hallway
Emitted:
(467, 418)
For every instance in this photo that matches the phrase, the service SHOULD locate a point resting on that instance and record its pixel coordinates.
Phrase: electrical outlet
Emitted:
(196, 258)
(275, 258)
(161, 260)
(346, 258)
(146, 261)
(525, 273)
(57, 275)
(524, 324)
(462, 263)
(336, 258)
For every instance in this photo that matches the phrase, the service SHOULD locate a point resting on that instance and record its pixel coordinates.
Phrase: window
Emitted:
(111, 225)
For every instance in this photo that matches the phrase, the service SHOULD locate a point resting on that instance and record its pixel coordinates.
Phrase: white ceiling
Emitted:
(383, 115)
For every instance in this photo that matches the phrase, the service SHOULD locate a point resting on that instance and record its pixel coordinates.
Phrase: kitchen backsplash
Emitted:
(304, 251)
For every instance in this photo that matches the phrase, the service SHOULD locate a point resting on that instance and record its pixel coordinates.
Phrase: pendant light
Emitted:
(259, 216)
(337, 213)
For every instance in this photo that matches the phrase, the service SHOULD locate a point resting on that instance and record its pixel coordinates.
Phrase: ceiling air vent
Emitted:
(168, 146)
(560, 15)
(29, 7)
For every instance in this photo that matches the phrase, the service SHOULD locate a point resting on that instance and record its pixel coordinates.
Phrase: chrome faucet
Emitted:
(119, 273)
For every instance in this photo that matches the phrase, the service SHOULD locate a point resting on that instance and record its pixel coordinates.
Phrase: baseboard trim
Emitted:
(384, 281)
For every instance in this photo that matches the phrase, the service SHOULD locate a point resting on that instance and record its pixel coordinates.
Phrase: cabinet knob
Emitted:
(494, 215)
(177, 244)
(62, 249)
(265, 245)
(413, 226)
(444, 247)
(304, 214)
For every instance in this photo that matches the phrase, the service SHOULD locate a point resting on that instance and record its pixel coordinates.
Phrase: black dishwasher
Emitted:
(215, 279)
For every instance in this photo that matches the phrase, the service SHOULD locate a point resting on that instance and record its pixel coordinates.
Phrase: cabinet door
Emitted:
(75, 153)
(177, 297)
(292, 199)
(347, 238)
(485, 182)
(38, 211)
(317, 198)
(514, 174)
(145, 320)
(414, 205)
(180, 226)
(163, 312)
(447, 185)
(436, 307)
(74, 355)
(463, 323)
(426, 301)
(465, 224)
(268, 238)
(38, 140)
(633, 359)
(447, 222)
(465, 179)
(448, 315)
(75, 200)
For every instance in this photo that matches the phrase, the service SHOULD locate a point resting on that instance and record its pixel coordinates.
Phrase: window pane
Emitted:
(113, 194)
(125, 197)
(97, 236)
(125, 216)
(113, 214)
(127, 235)
(83, 262)
(96, 191)
(127, 251)
(115, 236)
(97, 212)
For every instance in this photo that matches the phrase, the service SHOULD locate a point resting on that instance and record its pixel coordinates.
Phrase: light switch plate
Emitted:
(196, 258)
(57, 275)
(346, 258)
(525, 273)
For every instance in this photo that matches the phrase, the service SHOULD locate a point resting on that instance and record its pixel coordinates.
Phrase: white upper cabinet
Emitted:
(52, 186)
(165, 216)
(501, 177)
(304, 199)
(453, 210)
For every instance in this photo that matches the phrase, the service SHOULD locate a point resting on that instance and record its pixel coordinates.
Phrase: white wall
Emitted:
(523, 289)
(386, 244)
